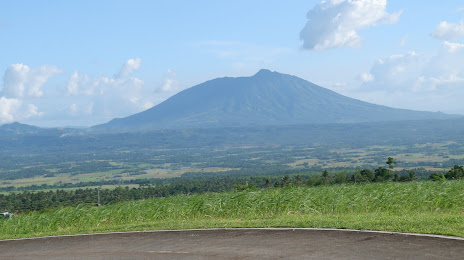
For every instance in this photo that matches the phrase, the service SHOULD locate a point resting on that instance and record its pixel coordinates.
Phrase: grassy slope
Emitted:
(422, 207)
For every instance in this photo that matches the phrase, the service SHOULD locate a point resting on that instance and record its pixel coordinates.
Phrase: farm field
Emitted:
(120, 167)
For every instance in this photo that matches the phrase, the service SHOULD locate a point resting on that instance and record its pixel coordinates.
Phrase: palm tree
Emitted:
(390, 162)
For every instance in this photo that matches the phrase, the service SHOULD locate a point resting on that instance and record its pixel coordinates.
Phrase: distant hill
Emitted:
(398, 133)
(267, 98)
(23, 129)
(18, 128)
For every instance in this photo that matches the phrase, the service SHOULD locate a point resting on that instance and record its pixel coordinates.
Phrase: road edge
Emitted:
(225, 229)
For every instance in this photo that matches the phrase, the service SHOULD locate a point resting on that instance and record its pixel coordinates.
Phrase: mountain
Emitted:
(266, 98)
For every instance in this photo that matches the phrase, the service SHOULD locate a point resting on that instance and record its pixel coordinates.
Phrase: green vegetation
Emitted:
(28, 201)
(132, 165)
(423, 207)
(60, 158)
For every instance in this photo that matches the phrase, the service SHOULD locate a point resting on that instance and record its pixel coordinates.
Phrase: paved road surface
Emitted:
(236, 244)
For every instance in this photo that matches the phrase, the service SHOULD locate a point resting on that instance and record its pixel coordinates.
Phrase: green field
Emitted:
(161, 164)
(420, 207)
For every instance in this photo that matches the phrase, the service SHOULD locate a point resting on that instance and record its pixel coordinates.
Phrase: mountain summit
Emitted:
(266, 98)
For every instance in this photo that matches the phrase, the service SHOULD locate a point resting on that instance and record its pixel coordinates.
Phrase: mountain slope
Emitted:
(267, 98)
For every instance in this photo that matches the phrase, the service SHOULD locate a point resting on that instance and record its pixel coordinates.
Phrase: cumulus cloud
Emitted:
(169, 83)
(416, 81)
(75, 82)
(452, 46)
(12, 109)
(8, 109)
(366, 77)
(32, 110)
(22, 81)
(87, 99)
(396, 70)
(449, 31)
(83, 85)
(110, 96)
(130, 66)
(334, 23)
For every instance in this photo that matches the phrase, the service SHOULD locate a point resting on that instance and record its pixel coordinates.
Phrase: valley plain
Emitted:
(44, 161)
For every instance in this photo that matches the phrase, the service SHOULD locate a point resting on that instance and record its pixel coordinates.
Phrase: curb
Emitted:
(226, 229)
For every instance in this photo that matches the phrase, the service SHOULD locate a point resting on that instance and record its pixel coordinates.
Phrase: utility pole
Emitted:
(98, 194)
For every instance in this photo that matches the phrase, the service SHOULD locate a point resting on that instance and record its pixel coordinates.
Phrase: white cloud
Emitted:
(15, 79)
(449, 31)
(8, 109)
(11, 109)
(22, 81)
(75, 82)
(130, 66)
(82, 85)
(109, 97)
(169, 83)
(86, 98)
(334, 23)
(366, 77)
(416, 81)
(32, 111)
(395, 71)
(452, 46)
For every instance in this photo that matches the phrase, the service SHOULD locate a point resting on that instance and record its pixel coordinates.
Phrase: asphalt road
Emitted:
(236, 244)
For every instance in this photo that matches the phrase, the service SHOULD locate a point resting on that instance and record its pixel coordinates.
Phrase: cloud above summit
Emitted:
(335, 23)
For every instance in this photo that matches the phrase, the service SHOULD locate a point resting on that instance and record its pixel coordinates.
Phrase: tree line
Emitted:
(33, 201)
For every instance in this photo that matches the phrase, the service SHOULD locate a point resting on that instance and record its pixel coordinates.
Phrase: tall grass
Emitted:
(430, 207)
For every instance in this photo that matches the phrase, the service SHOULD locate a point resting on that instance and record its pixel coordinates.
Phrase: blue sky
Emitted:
(80, 63)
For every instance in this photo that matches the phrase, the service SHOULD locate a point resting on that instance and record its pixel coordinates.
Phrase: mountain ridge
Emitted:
(20, 129)
(266, 98)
